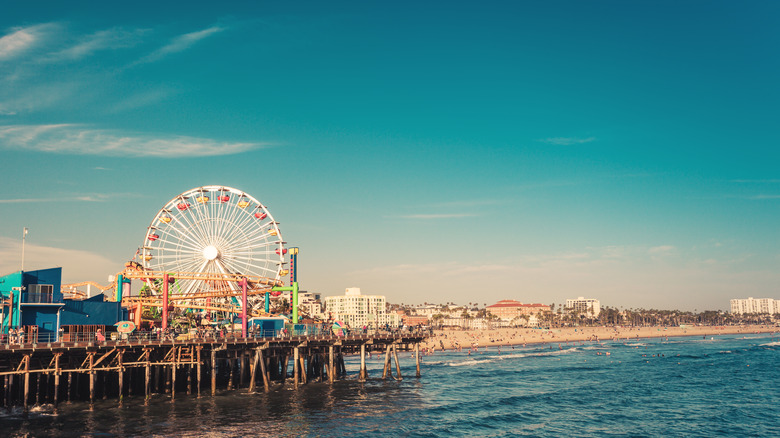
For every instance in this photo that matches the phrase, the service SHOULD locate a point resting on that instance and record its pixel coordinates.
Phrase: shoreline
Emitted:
(458, 339)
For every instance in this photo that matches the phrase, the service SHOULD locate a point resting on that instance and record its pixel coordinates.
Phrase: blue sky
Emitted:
(467, 152)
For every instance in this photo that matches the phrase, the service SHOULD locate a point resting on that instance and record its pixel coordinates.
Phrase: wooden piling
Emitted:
(295, 366)
(26, 381)
(200, 347)
(417, 357)
(121, 373)
(303, 372)
(387, 363)
(147, 379)
(229, 363)
(254, 369)
(284, 367)
(91, 378)
(331, 370)
(213, 372)
(397, 363)
(266, 377)
(173, 381)
(363, 375)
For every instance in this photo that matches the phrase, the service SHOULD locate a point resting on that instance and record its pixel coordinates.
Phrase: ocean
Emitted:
(683, 387)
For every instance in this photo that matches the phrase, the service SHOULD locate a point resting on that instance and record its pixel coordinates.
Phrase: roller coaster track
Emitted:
(255, 286)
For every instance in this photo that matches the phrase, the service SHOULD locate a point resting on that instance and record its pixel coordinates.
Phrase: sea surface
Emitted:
(686, 387)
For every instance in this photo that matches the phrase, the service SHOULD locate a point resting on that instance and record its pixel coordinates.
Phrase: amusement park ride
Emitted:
(212, 248)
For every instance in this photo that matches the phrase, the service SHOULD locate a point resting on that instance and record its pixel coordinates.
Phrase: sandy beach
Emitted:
(469, 339)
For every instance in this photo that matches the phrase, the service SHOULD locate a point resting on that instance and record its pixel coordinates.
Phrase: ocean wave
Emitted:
(470, 362)
(770, 344)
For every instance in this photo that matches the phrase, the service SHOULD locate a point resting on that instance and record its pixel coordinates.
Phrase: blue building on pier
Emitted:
(32, 300)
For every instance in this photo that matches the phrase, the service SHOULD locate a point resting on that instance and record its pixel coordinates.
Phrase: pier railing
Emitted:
(208, 335)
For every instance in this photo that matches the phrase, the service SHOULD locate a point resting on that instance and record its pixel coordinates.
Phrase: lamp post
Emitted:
(24, 234)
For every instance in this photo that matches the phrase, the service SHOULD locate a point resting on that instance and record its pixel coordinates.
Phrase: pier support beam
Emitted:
(363, 371)
(121, 374)
(26, 382)
(254, 369)
(331, 368)
(266, 377)
(147, 378)
(417, 357)
(91, 378)
(387, 363)
(56, 379)
(397, 363)
(213, 372)
(200, 347)
(295, 366)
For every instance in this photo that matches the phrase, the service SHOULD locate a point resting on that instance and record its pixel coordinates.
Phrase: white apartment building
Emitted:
(360, 310)
(588, 306)
(741, 306)
(311, 303)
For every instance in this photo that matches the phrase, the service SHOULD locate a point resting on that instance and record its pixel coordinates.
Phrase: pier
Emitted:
(36, 373)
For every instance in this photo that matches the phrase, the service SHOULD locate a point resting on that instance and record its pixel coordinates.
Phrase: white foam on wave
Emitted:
(470, 362)
(771, 344)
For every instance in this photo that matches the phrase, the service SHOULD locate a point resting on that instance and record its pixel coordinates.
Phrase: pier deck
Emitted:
(53, 372)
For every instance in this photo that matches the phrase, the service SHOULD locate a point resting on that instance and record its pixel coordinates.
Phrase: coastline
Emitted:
(449, 339)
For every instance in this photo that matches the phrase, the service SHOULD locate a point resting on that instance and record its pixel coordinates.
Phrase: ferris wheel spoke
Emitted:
(194, 283)
(258, 265)
(222, 268)
(181, 232)
(258, 240)
(243, 221)
(188, 224)
(253, 240)
(178, 248)
(202, 215)
(180, 245)
(195, 225)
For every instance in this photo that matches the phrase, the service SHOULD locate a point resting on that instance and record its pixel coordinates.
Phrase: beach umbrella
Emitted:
(338, 328)
(125, 326)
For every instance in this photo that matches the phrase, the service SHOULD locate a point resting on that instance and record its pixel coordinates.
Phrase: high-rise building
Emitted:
(741, 306)
(586, 306)
(359, 310)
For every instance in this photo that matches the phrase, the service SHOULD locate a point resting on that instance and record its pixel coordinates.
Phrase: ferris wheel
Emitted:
(214, 230)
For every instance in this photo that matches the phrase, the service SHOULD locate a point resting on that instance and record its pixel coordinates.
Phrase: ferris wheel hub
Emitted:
(210, 252)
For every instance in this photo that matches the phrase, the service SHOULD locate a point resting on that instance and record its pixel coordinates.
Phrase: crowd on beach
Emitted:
(471, 340)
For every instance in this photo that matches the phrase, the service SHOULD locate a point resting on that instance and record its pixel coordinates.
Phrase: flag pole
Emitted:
(24, 235)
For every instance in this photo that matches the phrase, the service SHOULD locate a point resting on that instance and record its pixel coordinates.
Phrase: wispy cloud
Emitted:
(109, 39)
(467, 203)
(21, 39)
(96, 197)
(763, 197)
(566, 141)
(662, 249)
(437, 216)
(79, 140)
(36, 97)
(181, 43)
